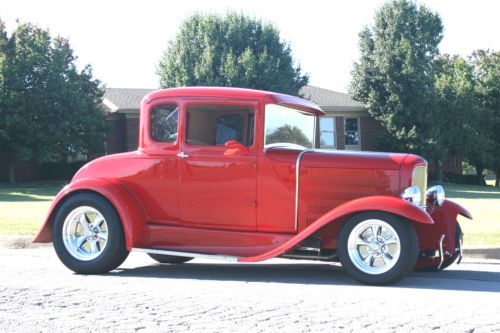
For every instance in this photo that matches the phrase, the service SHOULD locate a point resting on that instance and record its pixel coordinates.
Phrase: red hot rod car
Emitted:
(235, 174)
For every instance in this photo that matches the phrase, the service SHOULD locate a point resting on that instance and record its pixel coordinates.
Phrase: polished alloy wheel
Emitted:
(85, 233)
(374, 246)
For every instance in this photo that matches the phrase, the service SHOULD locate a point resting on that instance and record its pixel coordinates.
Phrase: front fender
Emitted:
(387, 204)
(453, 208)
(445, 223)
(127, 205)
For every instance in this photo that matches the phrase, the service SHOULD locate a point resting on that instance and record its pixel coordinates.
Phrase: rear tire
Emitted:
(166, 259)
(88, 236)
(377, 247)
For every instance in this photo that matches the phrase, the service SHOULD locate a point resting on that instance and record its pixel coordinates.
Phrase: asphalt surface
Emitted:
(38, 294)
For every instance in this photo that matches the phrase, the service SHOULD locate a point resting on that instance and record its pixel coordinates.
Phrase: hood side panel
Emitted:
(328, 180)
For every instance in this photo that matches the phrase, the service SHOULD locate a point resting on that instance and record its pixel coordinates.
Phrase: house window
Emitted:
(351, 132)
(327, 132)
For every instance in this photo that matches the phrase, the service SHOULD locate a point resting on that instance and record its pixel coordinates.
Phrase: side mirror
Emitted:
(233, 144)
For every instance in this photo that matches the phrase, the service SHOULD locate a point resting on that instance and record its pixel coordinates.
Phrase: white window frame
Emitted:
(334, 132)
(353, 147)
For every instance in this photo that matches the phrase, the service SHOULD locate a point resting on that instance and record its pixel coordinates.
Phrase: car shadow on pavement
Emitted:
(311, 273)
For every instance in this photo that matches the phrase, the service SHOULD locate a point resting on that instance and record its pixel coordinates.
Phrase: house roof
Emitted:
(124, 98)
(128, 99)
(330, 100)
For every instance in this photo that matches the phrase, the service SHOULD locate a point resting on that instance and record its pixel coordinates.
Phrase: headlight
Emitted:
(436, 194)
(412, 194)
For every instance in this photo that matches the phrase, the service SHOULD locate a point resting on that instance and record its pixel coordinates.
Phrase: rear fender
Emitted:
(387, 204)
(127, 205)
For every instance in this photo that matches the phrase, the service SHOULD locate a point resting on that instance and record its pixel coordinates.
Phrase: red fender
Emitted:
(127, 205)
(388, 204)
(456, 209)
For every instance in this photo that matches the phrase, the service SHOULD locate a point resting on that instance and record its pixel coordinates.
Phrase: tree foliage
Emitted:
(456, 109)
(289, 134)
(485, 150)
(232, 50)
(49, 109)
(395, 74)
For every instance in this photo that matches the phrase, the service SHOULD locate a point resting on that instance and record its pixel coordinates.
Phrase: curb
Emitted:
(486, 252)
(25, 242)
(20, 242)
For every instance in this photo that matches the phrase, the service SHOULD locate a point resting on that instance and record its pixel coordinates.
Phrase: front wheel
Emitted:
(88, 235)
(377, 247)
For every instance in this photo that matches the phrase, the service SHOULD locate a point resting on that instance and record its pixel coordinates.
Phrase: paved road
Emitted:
(38, 294)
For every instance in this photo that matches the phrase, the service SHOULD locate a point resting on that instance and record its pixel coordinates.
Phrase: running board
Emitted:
(188, 254)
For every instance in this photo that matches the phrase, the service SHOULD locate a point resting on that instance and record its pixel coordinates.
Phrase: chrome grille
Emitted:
(420, 179)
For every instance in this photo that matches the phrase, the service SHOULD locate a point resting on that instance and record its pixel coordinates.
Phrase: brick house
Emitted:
(347, 124)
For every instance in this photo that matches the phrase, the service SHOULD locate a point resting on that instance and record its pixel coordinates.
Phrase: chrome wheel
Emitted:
(85, 233)
(374, 246)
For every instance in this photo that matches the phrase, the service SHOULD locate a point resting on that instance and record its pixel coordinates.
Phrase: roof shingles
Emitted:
(116, 99)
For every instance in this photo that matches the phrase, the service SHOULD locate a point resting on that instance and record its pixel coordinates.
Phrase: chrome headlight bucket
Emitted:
(436, 194)
(412, 194)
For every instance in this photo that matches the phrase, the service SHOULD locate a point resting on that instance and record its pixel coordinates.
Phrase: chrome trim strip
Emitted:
(441, 253)
(187, 254)
(460, 248)
(297, 184)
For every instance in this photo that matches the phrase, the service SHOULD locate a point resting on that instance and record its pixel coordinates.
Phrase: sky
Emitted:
(124, 40)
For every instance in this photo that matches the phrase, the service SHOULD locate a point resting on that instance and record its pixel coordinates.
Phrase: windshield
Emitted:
(288, 126)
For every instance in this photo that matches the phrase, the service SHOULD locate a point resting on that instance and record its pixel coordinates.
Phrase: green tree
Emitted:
(486, 152)
(395, 74)
(456, 107)
(288, 133)
(232, 50)
(49, 109)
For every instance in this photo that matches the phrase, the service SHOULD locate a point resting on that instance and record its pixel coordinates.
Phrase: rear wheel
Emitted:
(88, 235)
(166, 259)
(377, 247)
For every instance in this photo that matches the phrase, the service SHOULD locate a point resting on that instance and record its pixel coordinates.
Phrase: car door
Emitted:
(152, 172)
(217, 165)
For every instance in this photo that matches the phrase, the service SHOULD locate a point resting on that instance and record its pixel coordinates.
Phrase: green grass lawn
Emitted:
(484, 204)
(23, 208)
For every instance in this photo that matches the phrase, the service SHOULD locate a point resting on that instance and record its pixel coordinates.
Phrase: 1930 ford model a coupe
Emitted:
(234, 174)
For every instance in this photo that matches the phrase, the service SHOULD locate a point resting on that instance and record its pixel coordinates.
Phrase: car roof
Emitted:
(237, 93)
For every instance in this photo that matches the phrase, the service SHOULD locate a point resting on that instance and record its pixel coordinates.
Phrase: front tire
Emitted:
(377, 247)
(88, 236)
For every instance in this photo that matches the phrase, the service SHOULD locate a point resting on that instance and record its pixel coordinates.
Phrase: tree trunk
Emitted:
(497, 180)
(12, 170)
(479, 175)
(438, 169)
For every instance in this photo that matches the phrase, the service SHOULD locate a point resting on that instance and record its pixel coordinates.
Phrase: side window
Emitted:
(228, 127)
(164, 119)
(214, 125)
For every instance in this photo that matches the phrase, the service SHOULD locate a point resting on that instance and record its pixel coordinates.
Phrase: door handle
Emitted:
(182, 155)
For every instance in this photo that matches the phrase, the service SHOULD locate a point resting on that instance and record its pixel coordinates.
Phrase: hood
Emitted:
(350, 159)
(322, 158)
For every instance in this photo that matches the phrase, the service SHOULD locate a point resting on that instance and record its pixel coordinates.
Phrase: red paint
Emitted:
(241, 200)
(446, 222)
